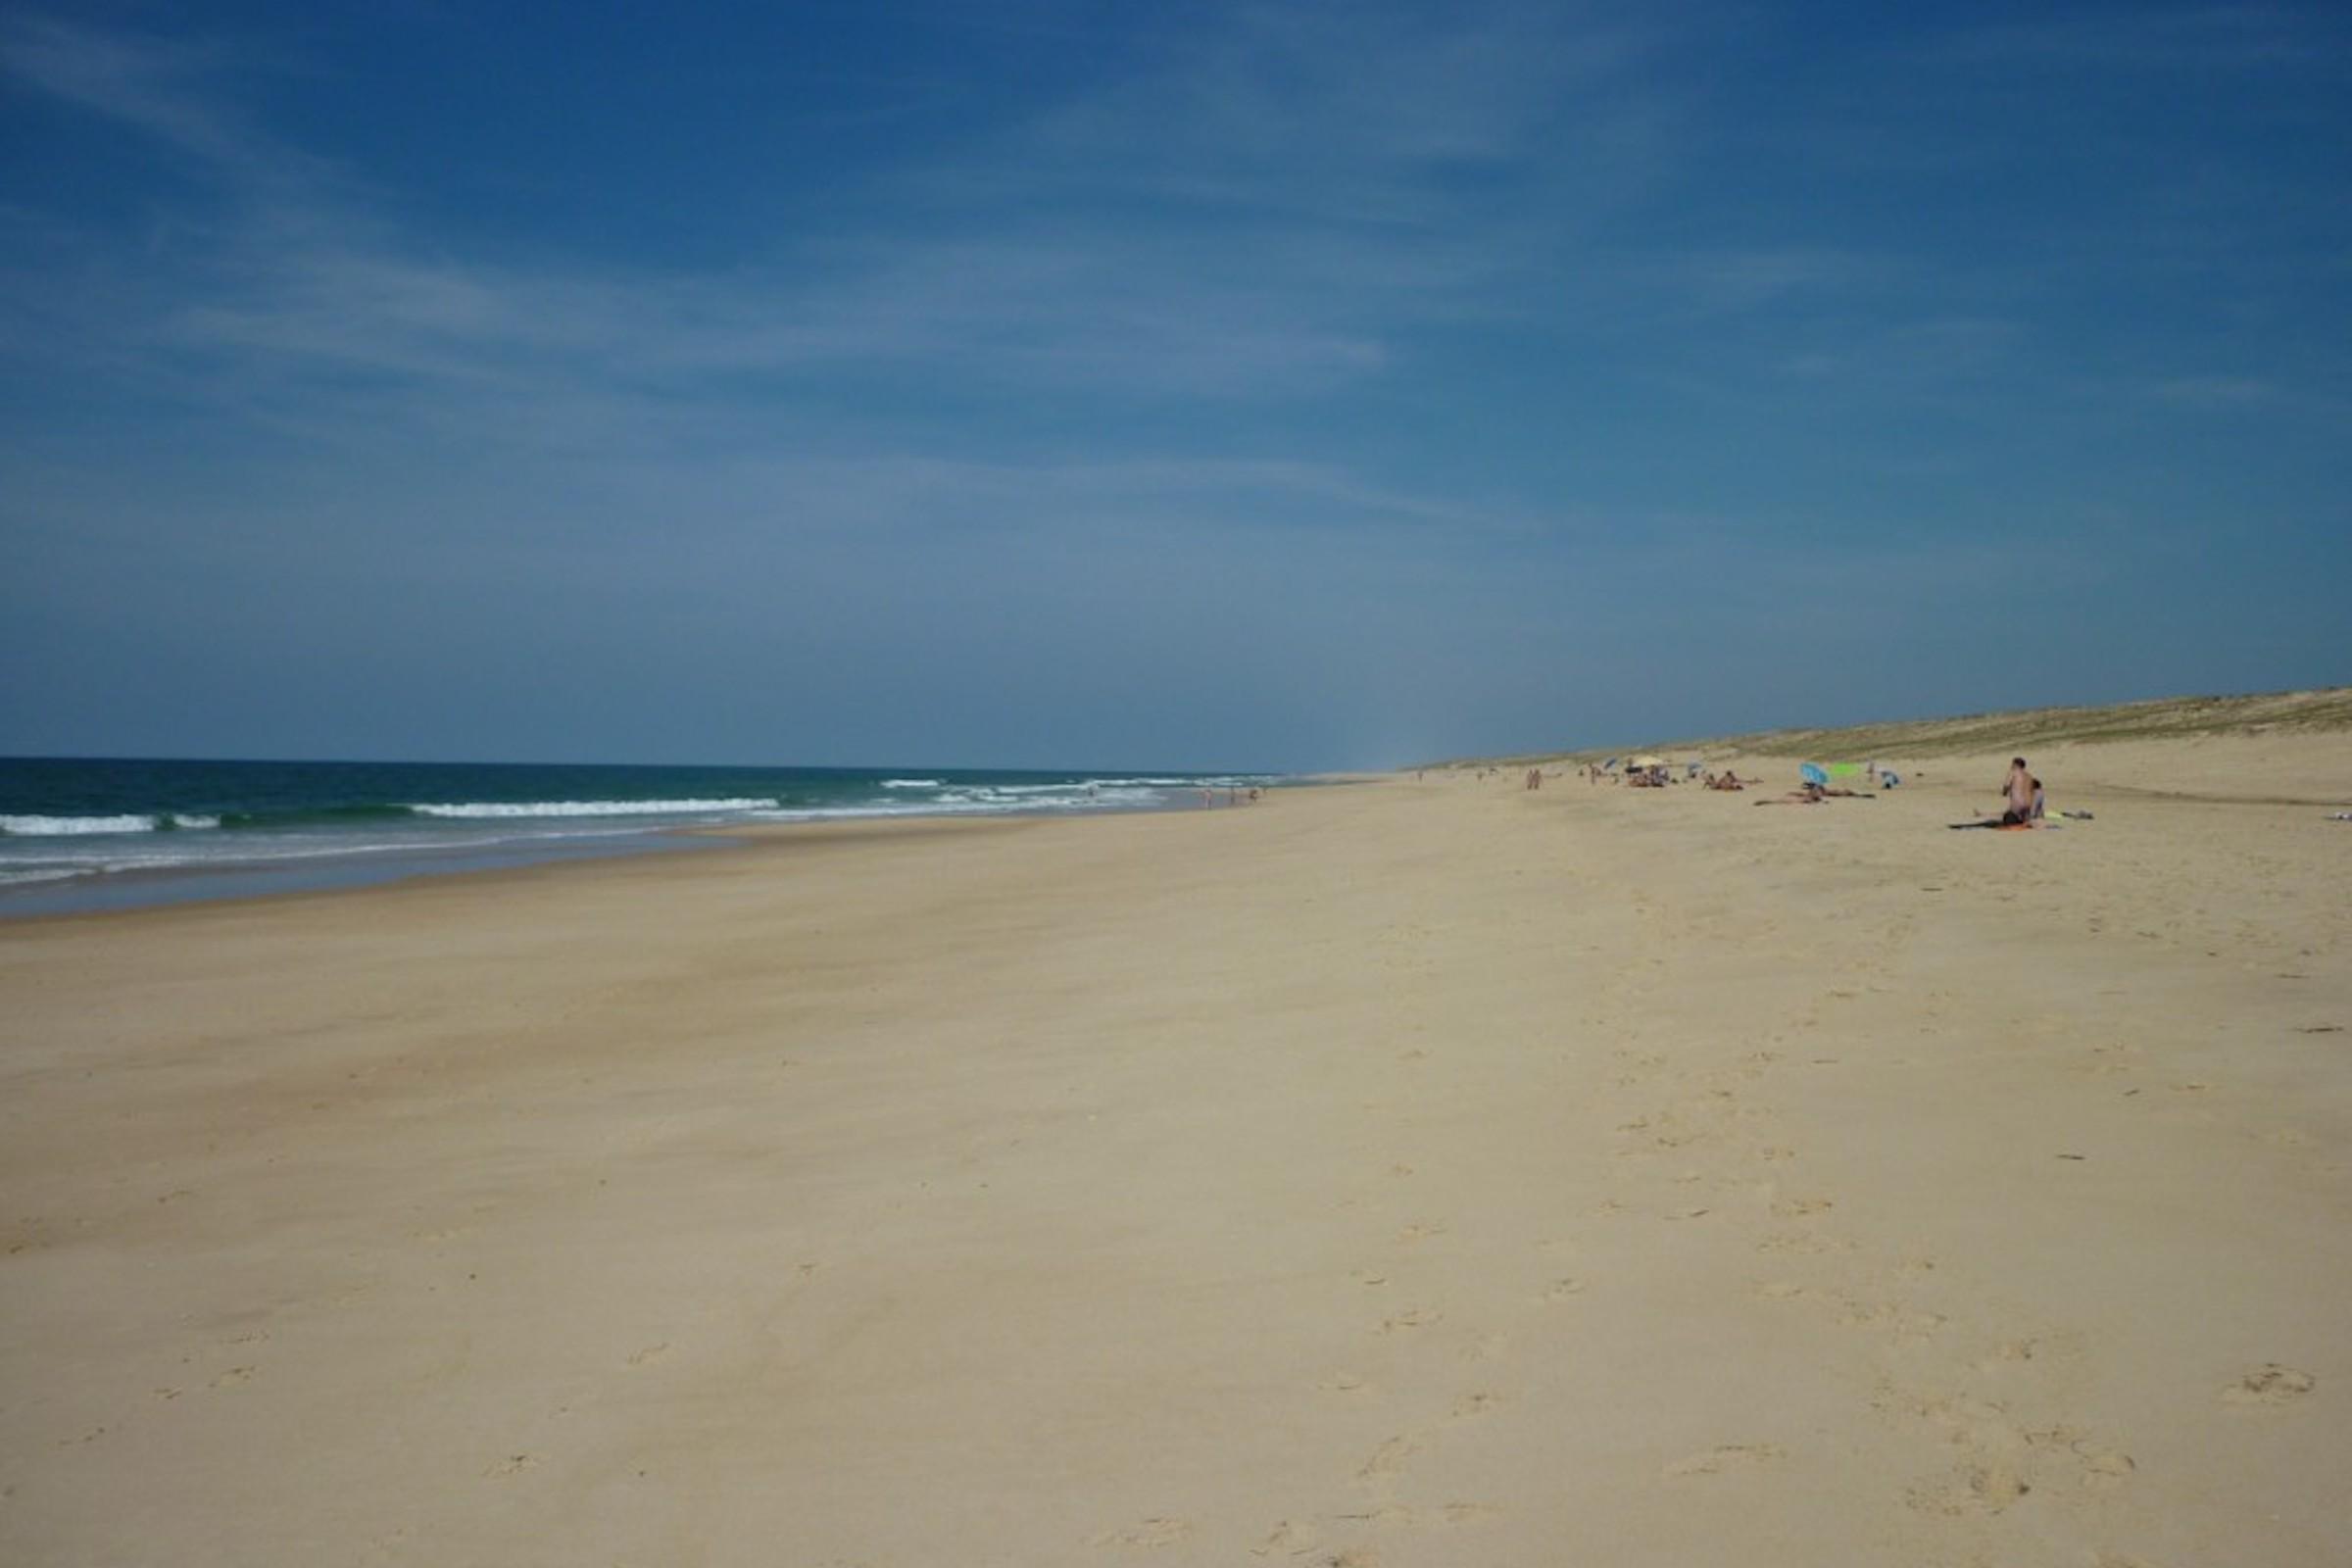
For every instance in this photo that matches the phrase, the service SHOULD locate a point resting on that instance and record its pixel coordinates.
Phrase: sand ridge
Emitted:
(1404, 1172)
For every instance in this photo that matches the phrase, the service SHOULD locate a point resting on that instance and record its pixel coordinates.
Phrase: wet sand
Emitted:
(1402, 1173)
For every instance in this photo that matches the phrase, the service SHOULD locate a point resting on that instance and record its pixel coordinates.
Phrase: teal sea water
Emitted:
(78, 834)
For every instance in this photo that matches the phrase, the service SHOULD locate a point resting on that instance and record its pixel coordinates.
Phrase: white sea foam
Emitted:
(979, 799)
(505, 809)
(41, 827)
(911, 783)
(15, 879)
(44, 827)
(169, 852)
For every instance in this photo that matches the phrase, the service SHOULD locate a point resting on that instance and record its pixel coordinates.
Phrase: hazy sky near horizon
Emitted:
(1252, 385)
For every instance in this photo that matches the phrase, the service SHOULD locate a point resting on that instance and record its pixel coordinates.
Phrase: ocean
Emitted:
(83, 834)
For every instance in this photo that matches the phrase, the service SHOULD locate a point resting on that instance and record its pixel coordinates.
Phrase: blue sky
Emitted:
(1283, 385)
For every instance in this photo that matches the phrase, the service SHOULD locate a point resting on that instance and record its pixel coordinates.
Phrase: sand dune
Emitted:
(1398, 1173)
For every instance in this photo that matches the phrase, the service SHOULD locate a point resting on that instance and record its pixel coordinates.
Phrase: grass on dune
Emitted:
(2164, 719)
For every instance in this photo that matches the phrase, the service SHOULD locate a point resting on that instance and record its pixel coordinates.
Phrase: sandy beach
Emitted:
(1411, 1172)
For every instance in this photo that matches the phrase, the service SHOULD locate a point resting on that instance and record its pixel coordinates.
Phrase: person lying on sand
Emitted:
(1815, 794)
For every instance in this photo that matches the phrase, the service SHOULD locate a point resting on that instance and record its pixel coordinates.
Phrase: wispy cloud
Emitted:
(1748, 278)
(1298, 130)
(166, 87)
(293, 278)
(2215, 391)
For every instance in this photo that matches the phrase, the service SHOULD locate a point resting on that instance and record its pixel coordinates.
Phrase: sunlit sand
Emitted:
(1409, 1172)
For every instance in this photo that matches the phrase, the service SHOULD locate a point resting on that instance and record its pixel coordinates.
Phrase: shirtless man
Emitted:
(2017, 793)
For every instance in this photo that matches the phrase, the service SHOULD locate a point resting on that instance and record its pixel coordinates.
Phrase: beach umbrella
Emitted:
(1646, 760)
(1811, 773)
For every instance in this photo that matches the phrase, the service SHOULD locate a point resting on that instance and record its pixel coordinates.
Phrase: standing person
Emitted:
(2017, 793)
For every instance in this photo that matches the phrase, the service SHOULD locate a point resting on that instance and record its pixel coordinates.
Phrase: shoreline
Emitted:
(110, 833)
(1419, 1172)
(237, 882)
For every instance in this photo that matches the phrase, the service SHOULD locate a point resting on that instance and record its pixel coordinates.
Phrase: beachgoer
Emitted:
(2017, 794)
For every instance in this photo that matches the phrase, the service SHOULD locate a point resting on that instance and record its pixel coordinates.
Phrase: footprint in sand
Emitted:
(1286, 1538)
(1419, 1317)
(1470, 1407)
(1150, 1533)
(1562, 1289)
(513, 1464)
(1396, 1516)
(1797, 1207)
(1725, 1456)
(1421, 1231)
(2102, 1471)
(1985, 1488)
(1393, 1516)
(1897, 1319)
(1388, 1459)
(2270, 1384)
(652, 1352)
(1802, 1242)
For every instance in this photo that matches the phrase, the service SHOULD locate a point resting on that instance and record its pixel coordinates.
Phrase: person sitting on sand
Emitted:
(2017, 792)
(2041, 803)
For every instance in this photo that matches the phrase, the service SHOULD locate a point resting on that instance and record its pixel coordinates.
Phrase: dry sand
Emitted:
(1407, 1173)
